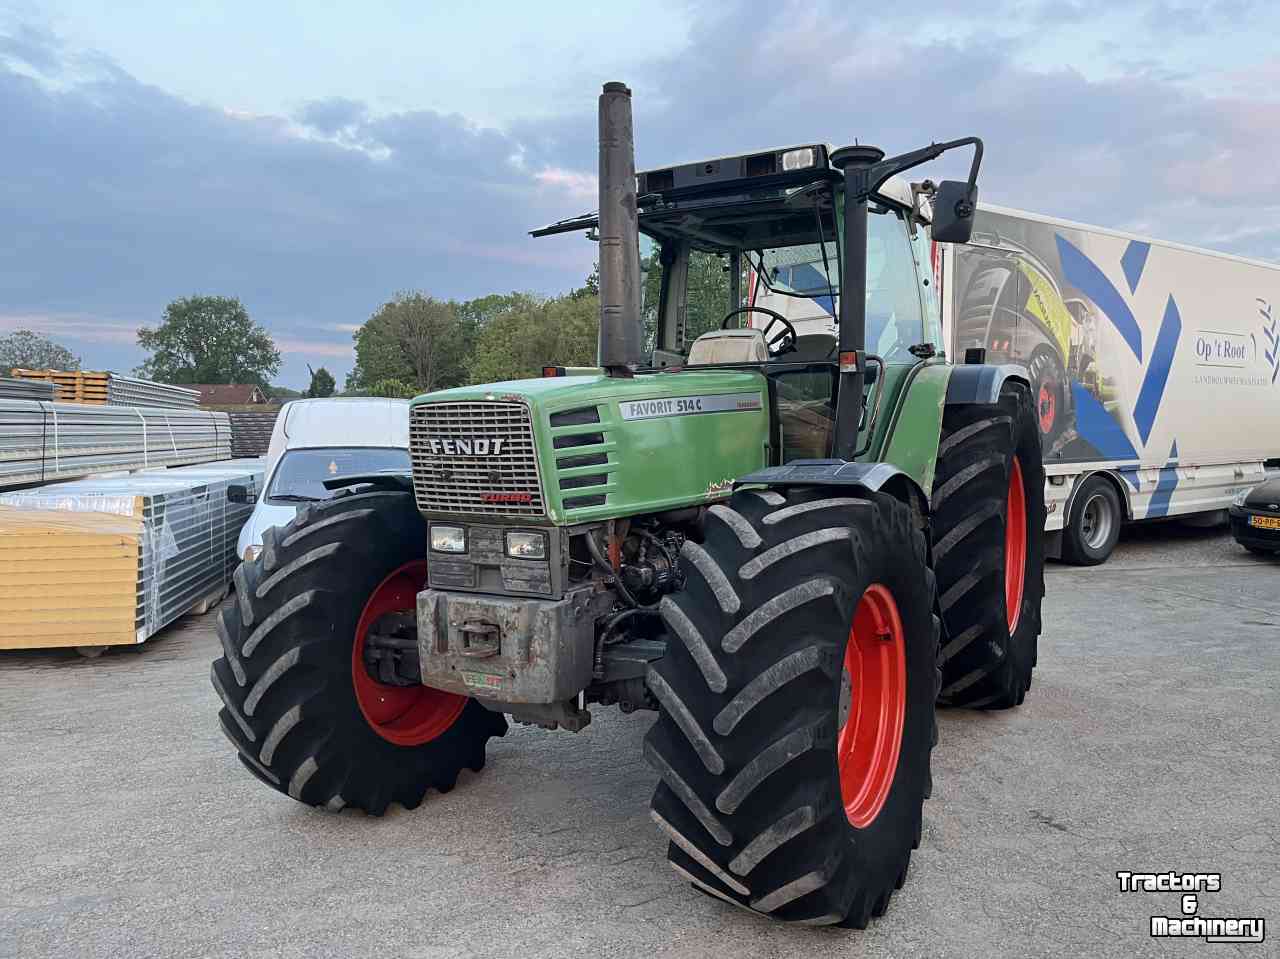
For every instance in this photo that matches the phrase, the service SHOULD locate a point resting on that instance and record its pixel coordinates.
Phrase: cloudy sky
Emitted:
(313, 158)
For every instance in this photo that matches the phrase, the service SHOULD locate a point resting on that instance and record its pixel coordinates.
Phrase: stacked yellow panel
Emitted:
(68, 579)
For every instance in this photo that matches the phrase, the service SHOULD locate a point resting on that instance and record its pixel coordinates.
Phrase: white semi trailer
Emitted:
(1156, 366)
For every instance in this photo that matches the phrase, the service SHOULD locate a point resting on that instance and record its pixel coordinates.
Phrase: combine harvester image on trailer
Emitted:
(1156, 366)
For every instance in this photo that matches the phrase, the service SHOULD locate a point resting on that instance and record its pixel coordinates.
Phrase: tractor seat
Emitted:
(813, 348)
(729, 346)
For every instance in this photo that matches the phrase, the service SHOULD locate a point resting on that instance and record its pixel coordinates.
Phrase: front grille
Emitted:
(454, 479)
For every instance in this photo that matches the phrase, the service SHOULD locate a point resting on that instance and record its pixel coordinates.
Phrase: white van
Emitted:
(316, 440)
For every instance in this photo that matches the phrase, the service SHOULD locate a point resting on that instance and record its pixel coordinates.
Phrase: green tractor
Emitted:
(790, 547)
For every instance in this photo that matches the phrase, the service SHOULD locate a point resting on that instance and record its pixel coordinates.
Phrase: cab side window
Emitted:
(895, 317)
(923, 249)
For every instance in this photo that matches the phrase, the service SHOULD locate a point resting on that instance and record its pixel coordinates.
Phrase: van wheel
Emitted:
(1093, 528)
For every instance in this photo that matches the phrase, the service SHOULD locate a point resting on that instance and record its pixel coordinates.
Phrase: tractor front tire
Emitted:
(797, 704)
(305, 716)
(988, 548)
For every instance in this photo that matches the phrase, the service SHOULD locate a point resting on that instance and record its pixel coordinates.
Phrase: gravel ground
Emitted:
(130, 830)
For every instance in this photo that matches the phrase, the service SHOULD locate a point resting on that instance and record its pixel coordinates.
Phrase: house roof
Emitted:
(223, 394)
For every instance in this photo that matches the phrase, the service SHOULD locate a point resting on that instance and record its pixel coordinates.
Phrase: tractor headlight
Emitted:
(521, 545)
(448, 539)
(251, 553)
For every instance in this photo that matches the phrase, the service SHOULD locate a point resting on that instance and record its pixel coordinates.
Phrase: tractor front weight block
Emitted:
(507, 649)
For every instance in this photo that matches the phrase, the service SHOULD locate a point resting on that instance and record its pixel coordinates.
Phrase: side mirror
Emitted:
(953, 208)
(240, 494)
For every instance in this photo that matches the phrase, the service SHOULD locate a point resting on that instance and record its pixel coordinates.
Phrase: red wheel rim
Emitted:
(1015, 545)
(1048, 406)
(875, 667)
(404, 715)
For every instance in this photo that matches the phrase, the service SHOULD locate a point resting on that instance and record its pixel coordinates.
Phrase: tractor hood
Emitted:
(604, 447)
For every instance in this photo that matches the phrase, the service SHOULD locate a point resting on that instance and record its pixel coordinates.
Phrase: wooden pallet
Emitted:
(72, 386)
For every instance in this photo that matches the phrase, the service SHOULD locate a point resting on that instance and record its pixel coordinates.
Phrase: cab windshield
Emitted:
(301, 474)
(799, 281)
(801, 270)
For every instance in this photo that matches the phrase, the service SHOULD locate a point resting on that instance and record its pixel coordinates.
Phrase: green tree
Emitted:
(392, 388)
(591, 287)
(707, 298)
(33, 351)
(208, 339)
(322, 382)
(556, 332)
(483, 310)
(416, 339)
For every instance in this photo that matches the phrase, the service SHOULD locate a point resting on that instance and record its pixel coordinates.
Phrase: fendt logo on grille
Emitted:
(465, 446)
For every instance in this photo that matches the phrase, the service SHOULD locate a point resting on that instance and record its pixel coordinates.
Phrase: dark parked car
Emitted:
(1255, 518)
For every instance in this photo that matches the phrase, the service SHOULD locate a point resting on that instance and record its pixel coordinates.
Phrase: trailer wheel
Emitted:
(305, 716)
(1093, 526)
(797, 704)
(988, 549)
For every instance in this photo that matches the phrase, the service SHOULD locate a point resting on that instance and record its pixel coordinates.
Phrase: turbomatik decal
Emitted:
(689, 405)
(1190, 887)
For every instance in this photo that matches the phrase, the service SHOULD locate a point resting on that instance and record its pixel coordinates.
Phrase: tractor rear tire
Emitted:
(304, 715)
(797, 704)
(988, 549)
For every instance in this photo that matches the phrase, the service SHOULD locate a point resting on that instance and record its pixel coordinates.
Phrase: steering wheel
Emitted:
(784, 341)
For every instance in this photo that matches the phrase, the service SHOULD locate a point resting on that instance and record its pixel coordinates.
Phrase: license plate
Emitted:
(1265, 522)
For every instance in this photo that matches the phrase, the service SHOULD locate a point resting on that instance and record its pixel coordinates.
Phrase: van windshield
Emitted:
(301, 474)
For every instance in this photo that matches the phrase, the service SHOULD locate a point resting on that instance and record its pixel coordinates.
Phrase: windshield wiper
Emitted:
(293, 498)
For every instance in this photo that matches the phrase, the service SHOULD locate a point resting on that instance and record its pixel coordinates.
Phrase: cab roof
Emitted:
(757, 185)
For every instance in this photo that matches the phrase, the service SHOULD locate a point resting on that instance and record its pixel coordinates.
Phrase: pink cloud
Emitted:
(82, 326)
(583, 186)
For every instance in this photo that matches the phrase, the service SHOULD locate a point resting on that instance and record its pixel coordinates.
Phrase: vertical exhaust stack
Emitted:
(620, 323)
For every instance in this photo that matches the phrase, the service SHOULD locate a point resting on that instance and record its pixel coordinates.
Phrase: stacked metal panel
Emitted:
(18, 389)
(60, 577)
(41, 442)
(251, 432)
(129, 391)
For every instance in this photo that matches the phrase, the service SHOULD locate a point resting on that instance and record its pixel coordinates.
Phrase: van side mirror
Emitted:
(953, 208)
(236, 493)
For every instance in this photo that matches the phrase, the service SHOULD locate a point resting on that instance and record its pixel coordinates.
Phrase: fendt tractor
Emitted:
(789, 547)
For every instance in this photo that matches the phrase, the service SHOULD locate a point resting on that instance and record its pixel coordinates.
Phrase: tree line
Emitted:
(416, 343)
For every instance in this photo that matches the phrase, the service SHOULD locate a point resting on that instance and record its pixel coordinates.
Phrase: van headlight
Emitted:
(522, 545)
(1241, 497)
(448, 539)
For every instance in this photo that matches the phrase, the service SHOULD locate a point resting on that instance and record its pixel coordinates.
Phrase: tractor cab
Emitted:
(741, 266)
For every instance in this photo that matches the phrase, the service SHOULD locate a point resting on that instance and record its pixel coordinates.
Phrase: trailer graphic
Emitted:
(1155, 368)
(1156, 395)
